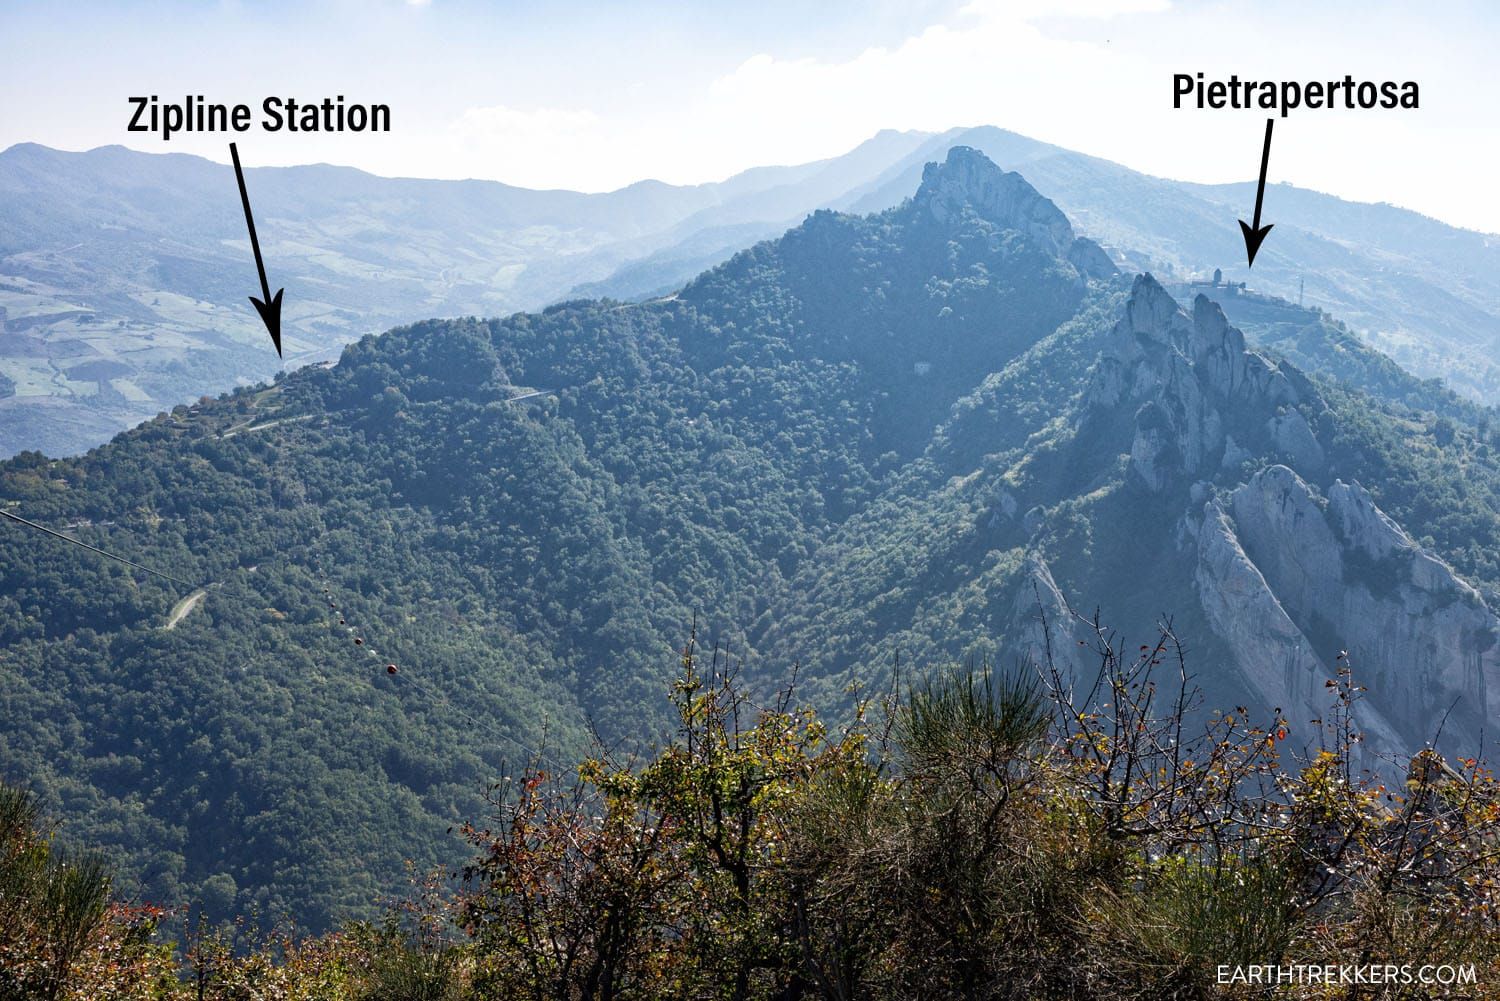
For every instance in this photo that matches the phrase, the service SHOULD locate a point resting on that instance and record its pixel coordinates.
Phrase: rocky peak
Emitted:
(1151, 314)
(969, 180)
(1363, 525)
(1198, 394)
(1156, 327)
(1275, 561)
(1366, 529)
(1044, 628)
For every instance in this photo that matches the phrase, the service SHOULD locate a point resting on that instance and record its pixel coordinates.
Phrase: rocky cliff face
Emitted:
(1049, 631)
(968, 181)
(1199, 396)
(1349, 578)
(1291, 566)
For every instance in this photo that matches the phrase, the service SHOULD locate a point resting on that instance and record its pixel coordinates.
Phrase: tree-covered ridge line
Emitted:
(535, 556)
(125, 301)
(810, 450)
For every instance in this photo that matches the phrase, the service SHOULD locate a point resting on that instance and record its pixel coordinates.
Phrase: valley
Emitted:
(724, 502)
(878, 440)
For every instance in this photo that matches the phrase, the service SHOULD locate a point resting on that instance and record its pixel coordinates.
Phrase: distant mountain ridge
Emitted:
(124, 276)
(905, 436)
(138, 265)
(1421, 291)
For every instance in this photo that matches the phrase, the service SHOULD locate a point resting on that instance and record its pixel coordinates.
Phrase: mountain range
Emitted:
(130, 299)
(946, 431)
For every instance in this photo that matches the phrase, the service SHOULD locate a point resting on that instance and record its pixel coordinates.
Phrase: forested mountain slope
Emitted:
(124, 276)
(902, 433)
(1421, 291)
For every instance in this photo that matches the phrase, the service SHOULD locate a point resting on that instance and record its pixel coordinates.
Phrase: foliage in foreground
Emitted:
(978, 835)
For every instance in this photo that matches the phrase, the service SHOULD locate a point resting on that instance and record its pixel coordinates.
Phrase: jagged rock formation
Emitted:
(863, 439)
(1348, 576)
(968, 181)
(1048, 631)
(1190, 378)
(1294, 438)
(1090, 259)
(1287, 575)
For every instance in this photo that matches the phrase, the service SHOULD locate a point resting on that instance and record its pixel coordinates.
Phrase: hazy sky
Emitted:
(596, 95)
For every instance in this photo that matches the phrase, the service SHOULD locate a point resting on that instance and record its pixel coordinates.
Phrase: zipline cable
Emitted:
(432, 693)
(95, 549)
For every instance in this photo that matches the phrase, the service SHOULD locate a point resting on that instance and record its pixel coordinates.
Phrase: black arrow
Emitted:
(1255, 233)
(269, 307)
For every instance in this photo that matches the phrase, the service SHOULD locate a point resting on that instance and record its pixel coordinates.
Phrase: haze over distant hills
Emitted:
(124, 301)
(909, 434)
(124, 276)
